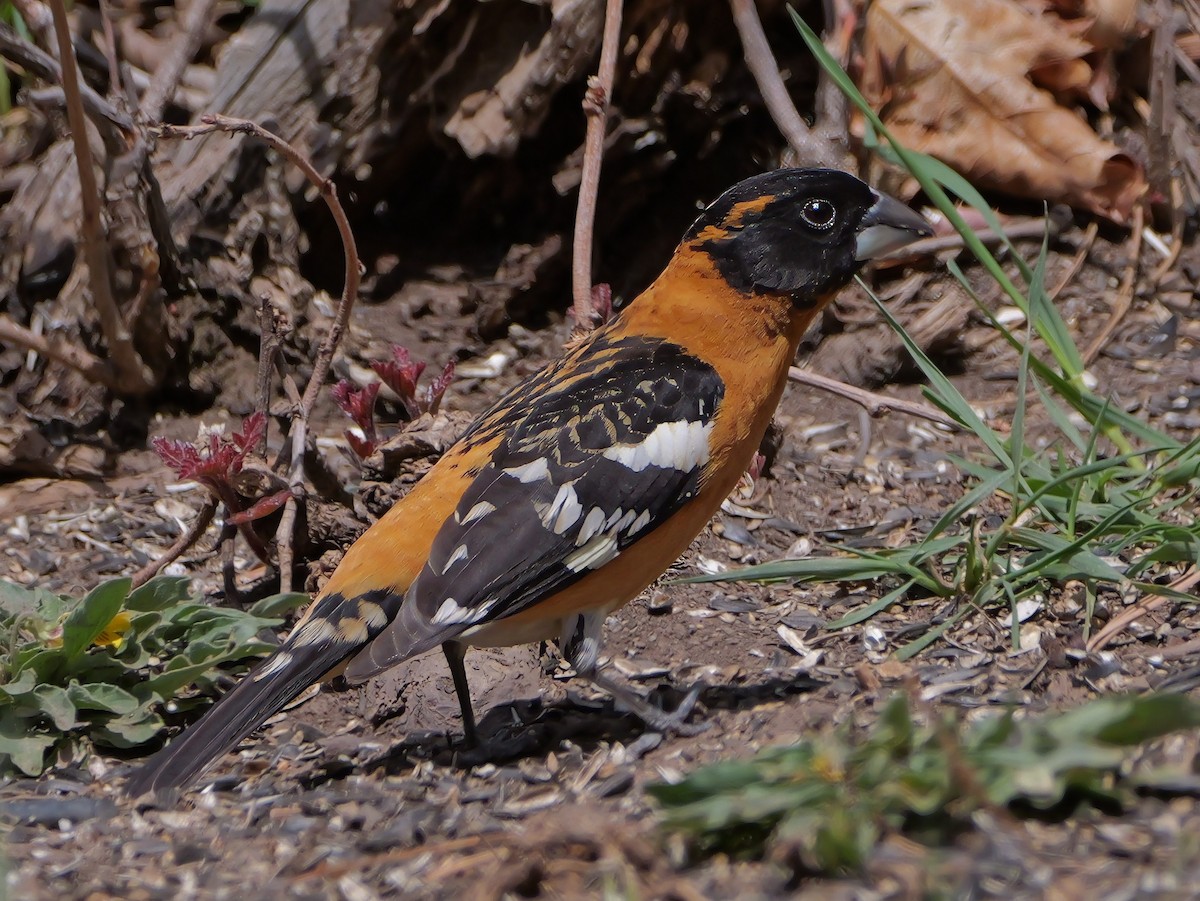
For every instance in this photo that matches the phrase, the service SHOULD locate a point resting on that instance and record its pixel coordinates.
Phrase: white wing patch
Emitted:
(594, 554)
(619, 520)
(533, 471)
(680, 445)
(563, 512)
(460, 553)
(591, 525)
(480, 510)
(451, 612)
(597, 543)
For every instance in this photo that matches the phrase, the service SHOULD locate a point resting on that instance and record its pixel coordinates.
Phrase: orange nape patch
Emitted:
(739, 211)
(734, 219)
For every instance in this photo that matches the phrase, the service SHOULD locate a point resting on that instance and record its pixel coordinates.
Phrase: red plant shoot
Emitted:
(401, 374)
(359, 405)
(215, 466)
(437, 388)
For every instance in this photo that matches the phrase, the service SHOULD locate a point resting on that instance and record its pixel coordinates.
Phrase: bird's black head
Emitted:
(800, 232)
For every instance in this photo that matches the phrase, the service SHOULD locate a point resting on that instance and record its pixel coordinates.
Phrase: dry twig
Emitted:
(1148, 604)
(298, 436)
(832, 106)
(813, 148)
(189, 537)
(1163, 111)
(124, 142)
(183, 48)
(130, 373)
(1177, 224)
(110, 49)
(112, 124)
(1039, 228)
(595, 105)
(59, 349)
(37, 18)
(1081, 255)
(268, 355)
(874, 404)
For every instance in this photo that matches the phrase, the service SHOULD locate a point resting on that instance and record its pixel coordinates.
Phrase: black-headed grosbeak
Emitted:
(586, 481)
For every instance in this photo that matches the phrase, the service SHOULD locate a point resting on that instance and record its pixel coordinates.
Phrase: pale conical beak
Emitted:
(888, 226)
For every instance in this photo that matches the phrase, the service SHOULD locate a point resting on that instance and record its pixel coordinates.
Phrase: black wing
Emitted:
(589, 463)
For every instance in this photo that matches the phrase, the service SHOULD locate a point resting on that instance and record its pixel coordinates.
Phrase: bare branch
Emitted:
(595, 105)
(110, 48)
(189, 537)
(1081, 255)
(813, 148)
(1048, 226)
(1144, 606)
(299, 433)
(1163, 112)
(181, 52)
(874, 404)
(108, 119)
(132, 376)
(37, 18)
(57, 348)
(268, 353)
(832, 107)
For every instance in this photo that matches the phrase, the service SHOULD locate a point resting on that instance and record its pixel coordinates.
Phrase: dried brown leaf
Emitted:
(1110, 24)
(967, 83)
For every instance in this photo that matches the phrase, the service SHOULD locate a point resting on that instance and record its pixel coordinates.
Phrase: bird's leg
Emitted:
(581, 645)
(455, 651)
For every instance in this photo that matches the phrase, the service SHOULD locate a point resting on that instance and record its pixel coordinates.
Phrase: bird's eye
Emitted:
(818, 213)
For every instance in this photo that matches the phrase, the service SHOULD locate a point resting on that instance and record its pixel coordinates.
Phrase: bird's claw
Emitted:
(675, 721)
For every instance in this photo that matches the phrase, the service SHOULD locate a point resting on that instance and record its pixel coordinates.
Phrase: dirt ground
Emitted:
(366, 793)
(363, 794)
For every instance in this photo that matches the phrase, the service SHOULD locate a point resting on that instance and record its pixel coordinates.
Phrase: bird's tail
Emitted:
(231, 719)
(315, 648)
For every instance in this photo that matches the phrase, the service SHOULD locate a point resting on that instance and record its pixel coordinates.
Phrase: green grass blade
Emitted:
(854, 617)
(916, 646)
(1049, 322)
(1059, 416)
(958, 186)
(1082, 400)
(942, 387)
(920, 165)
(1016, 439)
(973, 497)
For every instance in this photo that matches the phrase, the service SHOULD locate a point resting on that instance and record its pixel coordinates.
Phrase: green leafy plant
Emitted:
(98, 670)
(830, 800)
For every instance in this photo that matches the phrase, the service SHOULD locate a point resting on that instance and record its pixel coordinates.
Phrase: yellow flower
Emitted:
(113, 635)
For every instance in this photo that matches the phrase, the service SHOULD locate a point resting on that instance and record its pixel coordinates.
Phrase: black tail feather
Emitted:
(231, 719)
